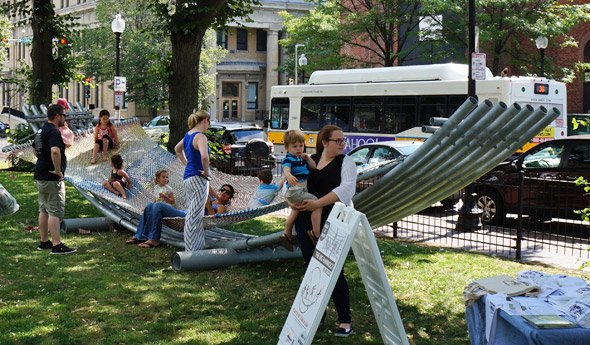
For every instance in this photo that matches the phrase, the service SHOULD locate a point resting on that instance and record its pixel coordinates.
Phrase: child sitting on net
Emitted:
(119, 179)
(296, 165)
(105, 136)
(266, 191)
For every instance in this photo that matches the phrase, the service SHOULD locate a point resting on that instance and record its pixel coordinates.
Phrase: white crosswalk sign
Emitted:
(345, 228)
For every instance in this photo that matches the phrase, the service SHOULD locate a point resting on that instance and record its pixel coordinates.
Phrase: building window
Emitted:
(252, 96)
(222, 38)
(260, 40)
(242, 39)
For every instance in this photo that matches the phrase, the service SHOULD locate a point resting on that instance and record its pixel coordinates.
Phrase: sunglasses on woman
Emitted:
(226, 191)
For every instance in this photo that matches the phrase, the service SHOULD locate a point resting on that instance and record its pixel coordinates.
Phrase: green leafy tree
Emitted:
(5, 33)
(145, 53)
(369, 32)
(508, 28)
(319, 31)
(52, 63)
(187, 22)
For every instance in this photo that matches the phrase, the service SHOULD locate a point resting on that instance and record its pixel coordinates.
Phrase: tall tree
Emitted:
(187, 22)
(508, 27)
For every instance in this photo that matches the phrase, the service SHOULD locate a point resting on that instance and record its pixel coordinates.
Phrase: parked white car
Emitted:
(157, 127)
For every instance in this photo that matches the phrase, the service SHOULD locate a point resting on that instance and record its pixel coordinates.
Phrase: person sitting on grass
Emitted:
(149, 229)
(105, 136)
(218, 203)
(119, 179)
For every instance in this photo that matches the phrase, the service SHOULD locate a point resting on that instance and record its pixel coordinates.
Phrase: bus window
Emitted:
(310, 114)
(367, 114)
(336, 111)
(399, 114)
(454, 104)
(279, 113)
(432, 106)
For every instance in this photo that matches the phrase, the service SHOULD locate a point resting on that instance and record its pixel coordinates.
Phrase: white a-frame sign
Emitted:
(344, 228)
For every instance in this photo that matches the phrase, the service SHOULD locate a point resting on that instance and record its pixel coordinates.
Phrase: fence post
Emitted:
(519, 220)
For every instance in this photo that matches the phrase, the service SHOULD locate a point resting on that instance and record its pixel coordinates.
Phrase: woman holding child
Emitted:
(334, 179)
(193, 151)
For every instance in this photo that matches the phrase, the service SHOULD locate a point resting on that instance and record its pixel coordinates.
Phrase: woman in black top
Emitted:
(333, 180)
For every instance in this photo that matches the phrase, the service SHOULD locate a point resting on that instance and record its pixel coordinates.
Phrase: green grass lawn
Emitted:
(112, 293)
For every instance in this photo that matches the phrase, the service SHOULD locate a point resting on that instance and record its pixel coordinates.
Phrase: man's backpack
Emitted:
(38, 144)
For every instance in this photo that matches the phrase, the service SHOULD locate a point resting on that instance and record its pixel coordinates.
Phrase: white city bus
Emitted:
(392, 103)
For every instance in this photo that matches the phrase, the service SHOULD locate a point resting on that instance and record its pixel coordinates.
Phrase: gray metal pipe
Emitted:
(422, 156)
(429, 129)
(437, 168)
(480, 167)
(224, 257)
(437, 121)
(531, 126)
(93, 224)
(375, 216)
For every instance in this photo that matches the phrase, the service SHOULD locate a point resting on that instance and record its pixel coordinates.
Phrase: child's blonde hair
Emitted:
(196, 118)
(293, 136)
(158, 174)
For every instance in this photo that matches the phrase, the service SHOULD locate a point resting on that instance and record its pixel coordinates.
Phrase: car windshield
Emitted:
(247, 135)
(159, 121)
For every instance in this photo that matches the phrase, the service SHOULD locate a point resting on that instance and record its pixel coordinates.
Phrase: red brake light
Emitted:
(226, 148)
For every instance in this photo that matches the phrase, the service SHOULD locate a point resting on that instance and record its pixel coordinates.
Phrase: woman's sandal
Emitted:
(149, 244)
(134, 240)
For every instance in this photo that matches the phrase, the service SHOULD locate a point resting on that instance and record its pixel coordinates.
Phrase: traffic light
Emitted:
(88, 80)
(87, 91)
(63, 41)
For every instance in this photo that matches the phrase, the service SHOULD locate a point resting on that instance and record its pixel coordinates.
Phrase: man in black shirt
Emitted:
(49, 174)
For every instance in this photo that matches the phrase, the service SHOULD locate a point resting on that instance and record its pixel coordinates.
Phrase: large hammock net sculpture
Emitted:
(471, 142)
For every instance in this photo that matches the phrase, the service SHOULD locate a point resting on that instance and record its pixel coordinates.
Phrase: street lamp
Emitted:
(302, 62)
(118, 26)
(541, 42)
(296, 66)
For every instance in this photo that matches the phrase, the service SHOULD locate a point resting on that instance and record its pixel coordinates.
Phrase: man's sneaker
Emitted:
(45, 245)
(343, 332)
(62, 249)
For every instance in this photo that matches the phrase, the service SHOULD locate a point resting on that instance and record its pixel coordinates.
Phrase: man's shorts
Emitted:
(52, 197)
(296, 195)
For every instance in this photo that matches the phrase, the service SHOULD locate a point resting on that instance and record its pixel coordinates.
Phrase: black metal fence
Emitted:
(541, 226)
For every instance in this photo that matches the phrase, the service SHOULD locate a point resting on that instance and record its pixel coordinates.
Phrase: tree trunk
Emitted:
(41, 52)
(184, 82)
